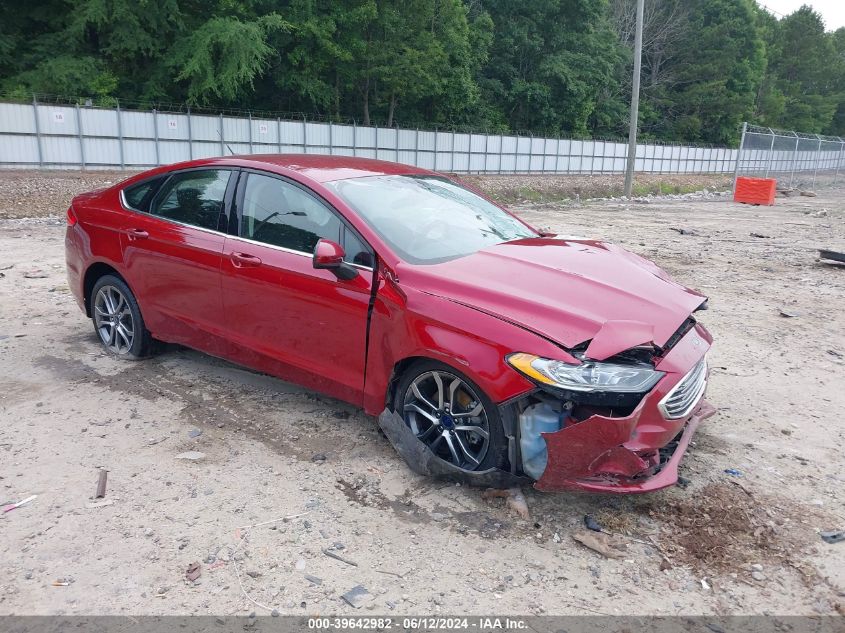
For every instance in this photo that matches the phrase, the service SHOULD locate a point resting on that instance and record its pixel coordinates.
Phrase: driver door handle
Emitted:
(244, 260)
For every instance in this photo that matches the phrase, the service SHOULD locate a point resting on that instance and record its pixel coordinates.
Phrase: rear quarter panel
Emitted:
(96, 237)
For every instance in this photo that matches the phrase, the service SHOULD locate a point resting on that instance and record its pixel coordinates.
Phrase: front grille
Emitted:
(685, 395)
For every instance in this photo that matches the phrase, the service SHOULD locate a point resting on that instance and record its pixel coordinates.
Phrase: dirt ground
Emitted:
(725, 544)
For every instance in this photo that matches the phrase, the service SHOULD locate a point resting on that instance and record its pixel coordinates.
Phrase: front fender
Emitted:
(407, 323)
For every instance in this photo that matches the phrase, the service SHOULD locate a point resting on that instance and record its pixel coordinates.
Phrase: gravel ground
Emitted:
(550, 189)
(722, 545)
(27, 194)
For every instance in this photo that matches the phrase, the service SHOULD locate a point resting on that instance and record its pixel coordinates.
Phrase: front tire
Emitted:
(118, 321)
(451, 415)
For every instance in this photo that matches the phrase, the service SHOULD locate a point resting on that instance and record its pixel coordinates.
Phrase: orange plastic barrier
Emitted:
(755, 190)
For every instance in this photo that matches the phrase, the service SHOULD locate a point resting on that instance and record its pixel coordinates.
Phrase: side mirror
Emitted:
(329, 255)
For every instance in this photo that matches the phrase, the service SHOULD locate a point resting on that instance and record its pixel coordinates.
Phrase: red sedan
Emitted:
(492, 352)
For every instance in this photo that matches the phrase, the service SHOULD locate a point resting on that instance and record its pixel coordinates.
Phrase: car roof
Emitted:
(322, 168)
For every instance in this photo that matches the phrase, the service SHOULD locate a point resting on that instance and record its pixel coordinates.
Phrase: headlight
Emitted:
(589, 376)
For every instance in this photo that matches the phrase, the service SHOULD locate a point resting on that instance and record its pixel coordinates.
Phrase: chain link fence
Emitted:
(795, 159)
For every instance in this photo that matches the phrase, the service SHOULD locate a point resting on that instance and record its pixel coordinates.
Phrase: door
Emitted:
(291, 320)
(173, 255)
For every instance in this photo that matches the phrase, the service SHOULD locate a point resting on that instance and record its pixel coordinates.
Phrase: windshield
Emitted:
(426, 219)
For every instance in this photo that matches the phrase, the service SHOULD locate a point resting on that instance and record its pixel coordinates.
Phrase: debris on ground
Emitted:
(99, 504)
(314, 580)
(20, 503)
(193, 433)
(761, 236)
(191, 456)
(808, 194)
(739, 485)
(337, 556)
(833, 255)
(787, 313)
(684, 231)
(35, 274)
(101, 484)
(591, 524)
(514, 499)
(193, 572)
(733, 472)
(833, 536)
(683, 482)
(357, 597)
(605, 544)
(722, 527)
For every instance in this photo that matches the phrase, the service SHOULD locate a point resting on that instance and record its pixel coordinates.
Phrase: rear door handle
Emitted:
(137, 234)
(245, 260)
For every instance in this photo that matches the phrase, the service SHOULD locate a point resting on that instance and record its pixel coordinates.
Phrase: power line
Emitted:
(770, 10)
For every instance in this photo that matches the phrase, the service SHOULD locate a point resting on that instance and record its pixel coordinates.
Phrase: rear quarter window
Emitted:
(139, 196)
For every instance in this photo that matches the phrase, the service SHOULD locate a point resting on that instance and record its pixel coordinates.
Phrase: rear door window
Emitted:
(195, 198)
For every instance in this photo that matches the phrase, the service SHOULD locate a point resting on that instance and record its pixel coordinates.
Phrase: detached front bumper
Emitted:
(639, 452)
(591, 456)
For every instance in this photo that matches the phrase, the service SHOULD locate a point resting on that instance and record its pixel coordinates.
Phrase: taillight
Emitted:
(71, 217)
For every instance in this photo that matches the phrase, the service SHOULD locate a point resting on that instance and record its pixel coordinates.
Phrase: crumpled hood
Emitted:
(569, 291)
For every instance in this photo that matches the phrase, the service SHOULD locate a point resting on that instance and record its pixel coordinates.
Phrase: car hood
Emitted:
(567, 290)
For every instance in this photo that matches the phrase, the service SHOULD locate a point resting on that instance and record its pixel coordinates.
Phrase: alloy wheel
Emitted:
(445, 413)
(113, 319)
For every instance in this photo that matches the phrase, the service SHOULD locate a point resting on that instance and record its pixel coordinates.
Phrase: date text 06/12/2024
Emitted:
(480, 624)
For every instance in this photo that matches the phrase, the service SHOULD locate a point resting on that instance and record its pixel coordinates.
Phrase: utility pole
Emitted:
(635, 101)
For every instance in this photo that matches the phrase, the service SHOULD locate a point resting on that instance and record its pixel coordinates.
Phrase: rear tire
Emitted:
(451, 415)
(117, 320)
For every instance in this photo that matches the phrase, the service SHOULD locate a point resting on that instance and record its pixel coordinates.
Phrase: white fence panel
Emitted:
(70, 137)
(17, 118)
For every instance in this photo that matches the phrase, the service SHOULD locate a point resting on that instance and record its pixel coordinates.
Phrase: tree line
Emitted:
(554, 67)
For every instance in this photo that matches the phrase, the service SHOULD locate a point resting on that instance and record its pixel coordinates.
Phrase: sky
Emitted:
(833, 11)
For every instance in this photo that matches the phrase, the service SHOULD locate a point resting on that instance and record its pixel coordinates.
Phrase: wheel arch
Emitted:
(93, 273)
(486, 383)
(399, 369)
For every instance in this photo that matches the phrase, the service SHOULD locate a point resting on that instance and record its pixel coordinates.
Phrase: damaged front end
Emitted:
(619, 441)
(601, 454)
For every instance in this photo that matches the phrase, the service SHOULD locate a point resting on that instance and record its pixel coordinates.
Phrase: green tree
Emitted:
(221, 59)
(548, 64)
(837, 123)
(719, 75)
(801, 71)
